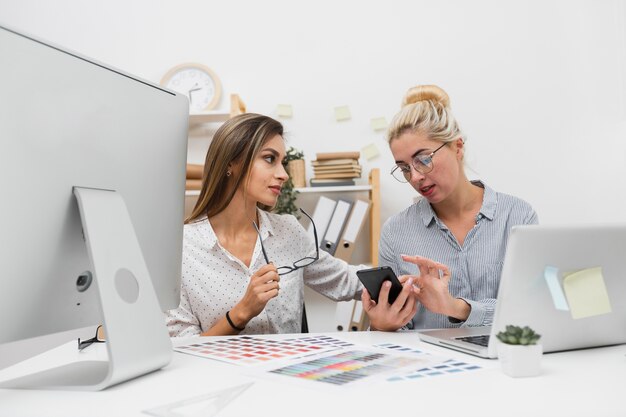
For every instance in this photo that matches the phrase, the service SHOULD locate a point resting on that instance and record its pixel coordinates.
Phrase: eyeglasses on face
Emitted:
(98, 338)
(300, 263)
(421, 163)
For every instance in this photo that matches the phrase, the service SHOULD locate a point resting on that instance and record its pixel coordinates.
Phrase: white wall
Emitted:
(538, 86)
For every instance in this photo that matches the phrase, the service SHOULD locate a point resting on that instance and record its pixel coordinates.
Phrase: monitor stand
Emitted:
(136, 336)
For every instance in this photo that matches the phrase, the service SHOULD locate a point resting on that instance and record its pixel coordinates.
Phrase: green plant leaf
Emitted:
(293, 154)
(514, 335)
(286, 200)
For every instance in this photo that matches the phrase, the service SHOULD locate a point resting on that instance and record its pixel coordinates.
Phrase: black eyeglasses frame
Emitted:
(424, 168)
(300, 263)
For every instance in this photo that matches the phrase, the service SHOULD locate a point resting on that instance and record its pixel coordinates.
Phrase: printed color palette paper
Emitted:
(435, 368)
(400, 348)
(450, 366)
(344, 368)
(324, 341)
(250, 350)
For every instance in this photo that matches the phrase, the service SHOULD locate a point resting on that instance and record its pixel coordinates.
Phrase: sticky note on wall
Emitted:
(586, 293)
(284, 110)
(378, 123)
(342, 113)
(370, 151)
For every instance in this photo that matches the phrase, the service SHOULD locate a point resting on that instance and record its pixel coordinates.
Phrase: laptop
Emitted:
(566, 282)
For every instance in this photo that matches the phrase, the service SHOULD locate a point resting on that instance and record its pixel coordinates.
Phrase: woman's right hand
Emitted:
(390, 317)
(263, 287)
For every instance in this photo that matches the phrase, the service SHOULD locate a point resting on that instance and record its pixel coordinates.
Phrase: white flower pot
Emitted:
(520, 361)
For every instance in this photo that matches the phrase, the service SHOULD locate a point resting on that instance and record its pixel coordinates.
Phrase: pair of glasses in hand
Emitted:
(300, 263)
(98, 338)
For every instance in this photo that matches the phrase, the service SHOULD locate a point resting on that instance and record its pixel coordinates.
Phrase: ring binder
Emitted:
(335, 227)
(321, 216)
(352, 230)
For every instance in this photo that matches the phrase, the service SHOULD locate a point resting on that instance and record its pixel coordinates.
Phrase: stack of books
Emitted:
(335, 169)
(194, 177)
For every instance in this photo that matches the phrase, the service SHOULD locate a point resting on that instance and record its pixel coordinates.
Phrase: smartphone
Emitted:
(373, 279)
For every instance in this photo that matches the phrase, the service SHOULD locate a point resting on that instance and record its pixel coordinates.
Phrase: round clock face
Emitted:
(197, 82)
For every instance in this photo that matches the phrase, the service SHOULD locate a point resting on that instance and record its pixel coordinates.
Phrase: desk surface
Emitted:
(578, 383)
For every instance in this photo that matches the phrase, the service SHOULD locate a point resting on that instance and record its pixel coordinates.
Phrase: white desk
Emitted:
(579, 383)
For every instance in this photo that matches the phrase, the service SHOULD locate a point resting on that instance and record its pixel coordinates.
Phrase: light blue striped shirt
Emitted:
(475, 267)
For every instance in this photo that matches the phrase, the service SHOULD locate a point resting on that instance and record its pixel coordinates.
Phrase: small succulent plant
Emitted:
(515, 335)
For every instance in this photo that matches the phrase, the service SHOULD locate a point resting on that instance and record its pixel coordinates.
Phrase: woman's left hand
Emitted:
(433, 285)
(390, 317)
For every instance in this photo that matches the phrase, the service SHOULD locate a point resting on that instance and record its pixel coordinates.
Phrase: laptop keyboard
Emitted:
(482, 340)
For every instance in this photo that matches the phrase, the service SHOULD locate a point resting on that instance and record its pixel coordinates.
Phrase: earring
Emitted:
(228, 173)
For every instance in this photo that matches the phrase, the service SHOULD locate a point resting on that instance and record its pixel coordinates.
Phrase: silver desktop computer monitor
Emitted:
(92, 171)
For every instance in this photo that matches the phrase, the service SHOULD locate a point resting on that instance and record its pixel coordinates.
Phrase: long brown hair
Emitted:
(237, 141)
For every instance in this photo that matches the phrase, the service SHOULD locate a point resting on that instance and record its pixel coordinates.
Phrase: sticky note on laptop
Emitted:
(586, 293)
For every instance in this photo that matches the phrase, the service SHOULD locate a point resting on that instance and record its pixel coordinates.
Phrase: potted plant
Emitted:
(518, 351)
(286, 200)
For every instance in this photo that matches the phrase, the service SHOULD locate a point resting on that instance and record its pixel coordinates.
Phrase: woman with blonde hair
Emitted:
(456, 233)
(243, 267)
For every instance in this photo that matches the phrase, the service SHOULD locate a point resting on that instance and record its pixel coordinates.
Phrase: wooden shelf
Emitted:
(342, 188)
(208, 117)
(305, 190)
(237, 106)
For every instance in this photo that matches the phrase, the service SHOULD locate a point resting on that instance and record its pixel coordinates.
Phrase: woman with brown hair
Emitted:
(243, 267)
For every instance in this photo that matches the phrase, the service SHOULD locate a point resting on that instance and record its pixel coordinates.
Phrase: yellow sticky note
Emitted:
(378, 123)
(586, 293)
(370, 151)
(284, 110)
(342, 113)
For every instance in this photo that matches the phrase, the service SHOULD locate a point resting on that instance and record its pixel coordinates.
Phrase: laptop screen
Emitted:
(565, 282)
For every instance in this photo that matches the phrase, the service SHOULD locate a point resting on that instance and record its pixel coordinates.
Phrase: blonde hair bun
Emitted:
(424, 93)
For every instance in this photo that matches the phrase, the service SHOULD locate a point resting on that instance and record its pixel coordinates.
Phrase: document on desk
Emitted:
(254, 350)
(358, 365)
(438, 366)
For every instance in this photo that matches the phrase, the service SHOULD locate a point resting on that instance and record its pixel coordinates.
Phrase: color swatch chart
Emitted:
(251, 350)
(400, 348)
(346, 367)
(435, 368)
(323, 341)
(451, 366)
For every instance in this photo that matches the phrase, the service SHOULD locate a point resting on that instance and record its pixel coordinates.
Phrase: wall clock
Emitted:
(198, 82)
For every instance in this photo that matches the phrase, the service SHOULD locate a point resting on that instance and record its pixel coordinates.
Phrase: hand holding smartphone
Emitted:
(373, 279)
